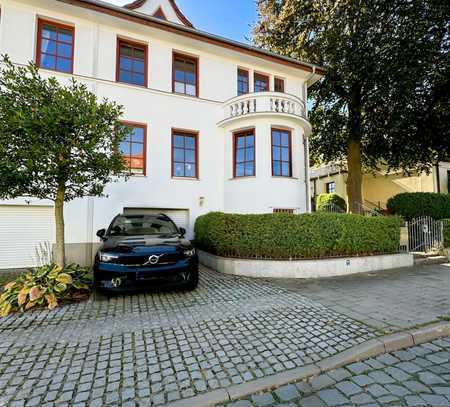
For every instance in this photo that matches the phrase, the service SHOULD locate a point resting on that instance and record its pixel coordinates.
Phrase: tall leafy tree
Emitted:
(57, 142)
(385, 97)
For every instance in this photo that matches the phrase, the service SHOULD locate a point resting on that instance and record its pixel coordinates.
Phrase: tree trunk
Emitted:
(354, 161)
(59, 223)
(354, 178)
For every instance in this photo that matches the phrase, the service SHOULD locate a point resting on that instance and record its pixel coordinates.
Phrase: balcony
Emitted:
(264, 103)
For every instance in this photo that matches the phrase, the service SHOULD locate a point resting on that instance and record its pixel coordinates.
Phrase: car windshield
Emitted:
(139, 225)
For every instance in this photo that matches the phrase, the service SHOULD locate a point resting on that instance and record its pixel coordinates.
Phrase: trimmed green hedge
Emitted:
(446, 232)
(324, 200)
(287, 236)
(411, 205)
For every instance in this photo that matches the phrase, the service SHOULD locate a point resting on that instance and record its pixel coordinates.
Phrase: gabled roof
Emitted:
(139, 3)
(158, 23)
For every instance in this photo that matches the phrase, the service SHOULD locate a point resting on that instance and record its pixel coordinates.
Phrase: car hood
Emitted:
(145, 244)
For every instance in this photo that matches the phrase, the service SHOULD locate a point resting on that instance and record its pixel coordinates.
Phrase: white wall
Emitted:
(95, 64)
(305, 269)
(264, 192)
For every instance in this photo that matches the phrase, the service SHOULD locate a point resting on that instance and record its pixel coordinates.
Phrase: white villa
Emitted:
(218, 125)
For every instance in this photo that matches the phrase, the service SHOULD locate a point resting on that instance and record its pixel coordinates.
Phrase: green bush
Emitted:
(43, 286)
(411, 205)
(446, 232)
(324, 201)
(287, 236)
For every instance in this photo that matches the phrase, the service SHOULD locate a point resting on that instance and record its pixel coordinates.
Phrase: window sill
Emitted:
(41, 68)
(283, 177)
(134, 85)
(244, 177)
(185, 179)
(185, 94)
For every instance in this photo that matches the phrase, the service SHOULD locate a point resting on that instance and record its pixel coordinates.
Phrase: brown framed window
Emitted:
(242, 82)
(330, 187)
(283, 210)
(244, 154)
(261, 82)
(184, 154)
(281, 153)
(185, 75)
(131, 62)
(279, 85)
(55, 46)
(134, 147)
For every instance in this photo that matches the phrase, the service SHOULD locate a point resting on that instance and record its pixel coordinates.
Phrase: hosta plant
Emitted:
(44, 286)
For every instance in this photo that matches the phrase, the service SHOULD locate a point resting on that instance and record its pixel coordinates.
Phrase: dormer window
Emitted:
(131, 62)
(160, 14)
(147, 7)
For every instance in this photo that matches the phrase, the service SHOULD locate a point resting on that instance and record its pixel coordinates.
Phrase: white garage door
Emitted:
(179, 216)
(22, 229)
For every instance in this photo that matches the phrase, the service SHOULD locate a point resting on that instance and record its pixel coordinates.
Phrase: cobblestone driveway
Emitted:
(154, 348)
(389, 300)
(419, 376)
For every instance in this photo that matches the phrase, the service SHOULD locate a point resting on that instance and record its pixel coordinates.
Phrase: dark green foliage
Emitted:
(446, 232)
(286, 236)
(415, 204)
(57, 141)
(55, 136)
(324, 201)
(386, 90)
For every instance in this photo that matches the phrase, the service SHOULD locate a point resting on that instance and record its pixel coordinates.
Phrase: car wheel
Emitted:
(192, 282)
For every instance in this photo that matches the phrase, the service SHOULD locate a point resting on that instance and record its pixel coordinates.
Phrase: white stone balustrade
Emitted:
(263, 102)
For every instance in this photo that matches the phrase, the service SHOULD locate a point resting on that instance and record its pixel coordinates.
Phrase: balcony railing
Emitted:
(263, 102)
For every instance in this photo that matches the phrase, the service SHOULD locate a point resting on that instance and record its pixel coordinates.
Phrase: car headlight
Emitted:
(106, 258)
(189, 253)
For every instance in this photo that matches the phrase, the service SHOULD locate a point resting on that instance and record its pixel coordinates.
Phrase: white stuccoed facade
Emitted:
(216, 114)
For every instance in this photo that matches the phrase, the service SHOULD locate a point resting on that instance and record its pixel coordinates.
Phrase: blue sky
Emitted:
(228, 18)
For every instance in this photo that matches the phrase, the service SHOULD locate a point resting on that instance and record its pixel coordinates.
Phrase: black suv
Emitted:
(144, 251)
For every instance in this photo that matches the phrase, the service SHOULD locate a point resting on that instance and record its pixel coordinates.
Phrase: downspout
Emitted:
(306, 146)
(90, 208)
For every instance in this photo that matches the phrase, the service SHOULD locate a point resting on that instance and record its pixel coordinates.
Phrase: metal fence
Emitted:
(361, 209)
(332, 207)
(446, 227)
(424, 235)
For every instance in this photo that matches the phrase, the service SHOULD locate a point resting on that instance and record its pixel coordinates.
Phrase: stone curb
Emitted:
(369, 349)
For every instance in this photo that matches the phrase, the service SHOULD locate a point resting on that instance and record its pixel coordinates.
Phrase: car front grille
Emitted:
(139, 261)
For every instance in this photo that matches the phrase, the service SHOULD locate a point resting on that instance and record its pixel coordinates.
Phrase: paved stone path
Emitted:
(418, 376)
(150, 349)
(389, 300)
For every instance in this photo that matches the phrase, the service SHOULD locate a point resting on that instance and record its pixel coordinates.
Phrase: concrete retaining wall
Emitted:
(305, 268)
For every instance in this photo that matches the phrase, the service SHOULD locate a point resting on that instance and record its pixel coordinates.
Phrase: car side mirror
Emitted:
(182, 231)
(101, 233)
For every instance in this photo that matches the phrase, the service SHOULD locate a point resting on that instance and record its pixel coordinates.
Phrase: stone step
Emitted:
(423, 261)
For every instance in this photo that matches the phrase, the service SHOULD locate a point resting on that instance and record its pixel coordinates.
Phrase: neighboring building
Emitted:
(378, 187)
(218, 125)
